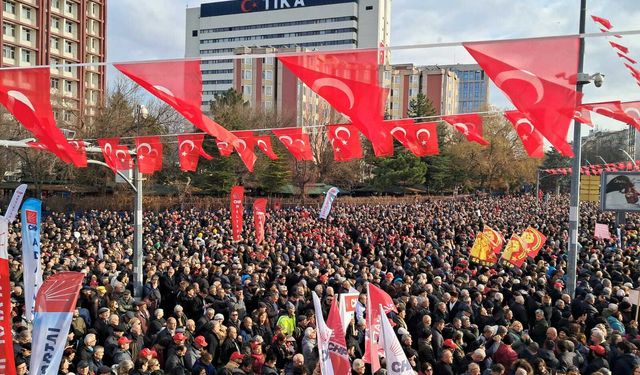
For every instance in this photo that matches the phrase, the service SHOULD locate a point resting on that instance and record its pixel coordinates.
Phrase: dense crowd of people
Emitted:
(214, 306)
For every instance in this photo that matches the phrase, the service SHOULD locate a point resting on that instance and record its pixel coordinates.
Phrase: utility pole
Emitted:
(574, 206)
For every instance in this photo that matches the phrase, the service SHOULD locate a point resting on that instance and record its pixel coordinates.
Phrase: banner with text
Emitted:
(31, 213)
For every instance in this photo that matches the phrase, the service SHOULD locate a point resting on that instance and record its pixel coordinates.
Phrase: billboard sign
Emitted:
(249, 6)
(620, 191)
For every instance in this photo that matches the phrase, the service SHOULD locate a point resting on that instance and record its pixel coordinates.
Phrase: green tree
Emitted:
(552, 160)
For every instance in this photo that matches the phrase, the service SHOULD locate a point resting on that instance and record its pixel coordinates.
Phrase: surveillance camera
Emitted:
(598, 79)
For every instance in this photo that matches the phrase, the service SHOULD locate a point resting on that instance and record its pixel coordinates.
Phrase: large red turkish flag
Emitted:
(421, 138)
(149, 154)
(179, 84)
(345, 141)
(538, 76)
(190, 149)
(612, 110)
(470, 125)
(349, 81)
(632, 109)
(25, 93)
(296, 141)
(530, 137)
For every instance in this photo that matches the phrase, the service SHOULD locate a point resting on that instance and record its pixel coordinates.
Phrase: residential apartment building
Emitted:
(218, 30)
(59, 32)
(405, 81)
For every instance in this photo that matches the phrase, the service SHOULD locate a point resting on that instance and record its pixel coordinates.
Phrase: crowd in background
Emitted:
(214, 306)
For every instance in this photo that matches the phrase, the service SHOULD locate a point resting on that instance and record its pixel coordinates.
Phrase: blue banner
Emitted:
(221, 8)
(31, 221)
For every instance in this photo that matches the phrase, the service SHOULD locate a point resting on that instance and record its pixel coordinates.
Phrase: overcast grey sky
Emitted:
(154, 29)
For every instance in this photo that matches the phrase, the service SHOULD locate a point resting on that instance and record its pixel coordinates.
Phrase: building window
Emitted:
(9, 52)
(9, 29)
(10, 7)
(55, 43)
(247, 74)
(369, 7)
(69, 26)
(26, 56)
(55, 22)
(194, 33)
(267, 104)
(55, 4)
(55, 83)
(267, 74)
(26, 34)
(68, 86)
(268, 90)
(68, 46)
(246, 90)
(70, 6)
(26, 12)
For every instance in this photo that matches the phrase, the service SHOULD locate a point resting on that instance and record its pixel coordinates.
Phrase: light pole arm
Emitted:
(629, 156)
(97, 162)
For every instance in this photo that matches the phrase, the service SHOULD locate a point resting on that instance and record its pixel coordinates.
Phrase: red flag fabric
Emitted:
(264, 144)
(259, 218)
(421, 138)
(224, 147)
(535, 74)
(612, 110)
(189, 150)
(629, 59)
(296, 141)
(583, 115)
(515, 253)
(632, 109)
(533, 241)
(345, 141)
(25, 94)
(109, 147)
(635, 73)
(237, 211)
(619, 47)
(149, 154)
(603, 21)
(470, 125)
(337, 342)
(349, 81)
(7, 360)
(376, 298)
(530, 137)
(179, 84)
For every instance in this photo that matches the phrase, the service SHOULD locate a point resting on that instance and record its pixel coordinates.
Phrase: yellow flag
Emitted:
(481, 252)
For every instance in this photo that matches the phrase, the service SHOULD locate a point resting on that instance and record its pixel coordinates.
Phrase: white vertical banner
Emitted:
(31, 220)
(328, 201)
(101, 252)
(16, 201)
(397, 362)
(347, 306)
(323, 336)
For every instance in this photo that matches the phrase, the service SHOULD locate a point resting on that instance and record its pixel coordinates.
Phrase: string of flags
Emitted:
(597, 169)
(622, 51)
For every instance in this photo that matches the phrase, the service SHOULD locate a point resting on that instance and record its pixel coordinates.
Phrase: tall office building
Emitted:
(473, 87)
(41, 32)
(216, 30)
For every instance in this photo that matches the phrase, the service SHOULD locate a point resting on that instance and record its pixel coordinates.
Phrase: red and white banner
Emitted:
(538, 76)
(259, 218)
(530, 137)
(323, 337)
(14, 205)
(179, 84)
(296, 141)
(31, 219)
(55, 304)
(602, 231)
(376, 298)
(115, 155)
(328, 202)
(337, 342)
(190, 150)
(149, 154)
(421, 139)
(395, 357)
(237, 211)
(7, 362)
(583, 115)
(613, 110)
(348, 303)
(469, 125)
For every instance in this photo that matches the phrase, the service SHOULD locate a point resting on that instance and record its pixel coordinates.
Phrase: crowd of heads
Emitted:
(211, 305)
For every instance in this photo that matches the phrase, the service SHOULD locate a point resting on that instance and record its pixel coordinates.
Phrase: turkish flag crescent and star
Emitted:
(345, 141)
(149, 152)
(419, 138)
(179, 84)
(108, 146)
(530, 137)
(470, 125)
(583, 115)
(264, 144)
(237, 210)
(296, 141)
(25, 94)
(613, 110)
(349, 81)
(190, 150)
(536, 75)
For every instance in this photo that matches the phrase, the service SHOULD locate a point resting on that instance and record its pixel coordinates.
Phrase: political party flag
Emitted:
(395, 357)
(514, 253)
(496, 241)
(602, 231)
(7, 362)
(31, 213)
(378, 302)
(533, 241)
(259, 218)
(14, 205)
(237, 210)
(328, 202)
(337, 342)
(54, 311)
(347, 306)
(481, 251)
(323, 336)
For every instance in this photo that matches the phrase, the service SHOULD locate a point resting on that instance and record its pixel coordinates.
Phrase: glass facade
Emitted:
(473, 88)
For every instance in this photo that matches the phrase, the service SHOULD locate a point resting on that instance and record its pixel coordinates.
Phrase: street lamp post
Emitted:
(140, 112)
